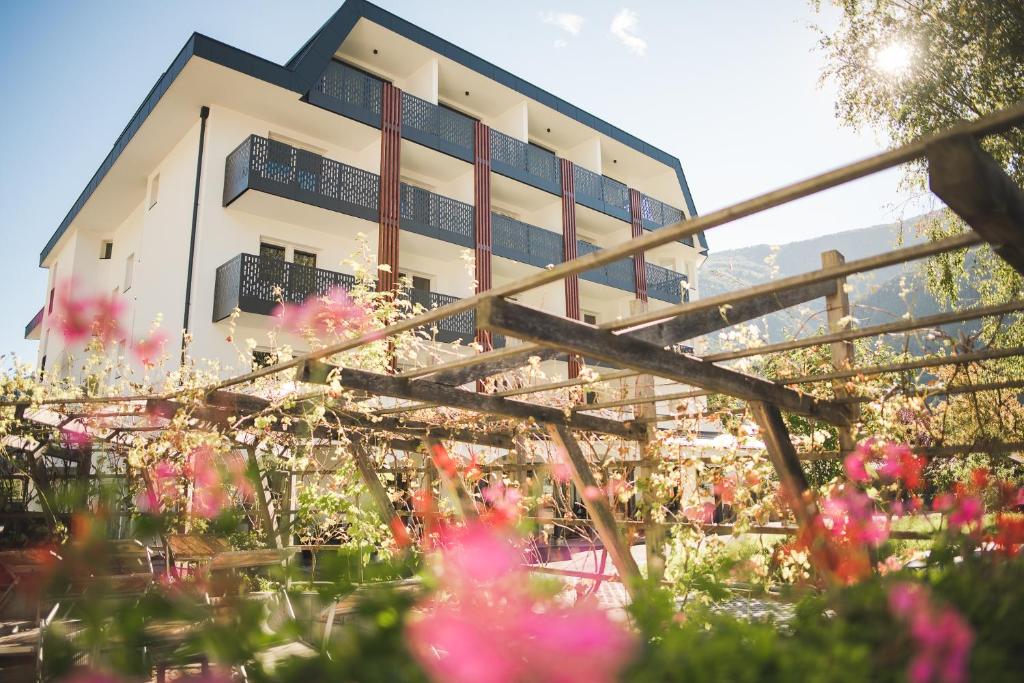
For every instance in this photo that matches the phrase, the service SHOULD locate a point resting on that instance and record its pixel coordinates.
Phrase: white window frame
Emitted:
(129, 271)
(154, 192)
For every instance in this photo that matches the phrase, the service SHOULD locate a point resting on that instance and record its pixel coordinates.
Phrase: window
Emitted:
(419, 282)
(272, 251)
(262, 358)
(49, 308)
(129, 271)
(106, 250)
(304, 258)
(590, 318)
(298, 144)
(154, 190)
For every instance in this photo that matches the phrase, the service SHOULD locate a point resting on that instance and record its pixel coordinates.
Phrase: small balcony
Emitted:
(601, 193)
(256, 284)
(434, 215)
(277, 168)
(349, 92)
(667, 285)
(656, 214)
(34, 325)
(437, 127)
(618, 274)
(525, 162)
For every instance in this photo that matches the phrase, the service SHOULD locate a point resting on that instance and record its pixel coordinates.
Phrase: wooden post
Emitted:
(262, 490)
(465, 508)
(784, 458)
(385, 507)
(837, 308)
(654, 536)
(597, 506)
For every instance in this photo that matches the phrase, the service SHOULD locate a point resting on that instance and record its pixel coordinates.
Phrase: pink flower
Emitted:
(148, 350)
(969, 510)
(942, 637)
(854, 465)
(492, 629)
(850, 516)
(332, 314)
(79, 317)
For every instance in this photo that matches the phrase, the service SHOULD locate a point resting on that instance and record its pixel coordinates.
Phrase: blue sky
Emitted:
(731, 88)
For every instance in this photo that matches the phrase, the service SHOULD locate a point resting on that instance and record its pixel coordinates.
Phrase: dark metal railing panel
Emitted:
(656, 214)
(618, 274)
(513, 239)
(601, 193)
(437, 127)
(525, 162)
(459, 327)
(433, 215)
(278, 168)
(256, 284)
(666, 285)
(349, 92)
(35, 322)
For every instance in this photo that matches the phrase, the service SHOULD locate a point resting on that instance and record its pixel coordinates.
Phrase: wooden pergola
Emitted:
(642, 347)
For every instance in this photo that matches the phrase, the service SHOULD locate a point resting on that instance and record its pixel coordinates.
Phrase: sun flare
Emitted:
(894, 59)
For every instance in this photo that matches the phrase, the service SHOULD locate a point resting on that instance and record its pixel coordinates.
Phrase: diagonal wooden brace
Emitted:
(385, 507)
(597, 506)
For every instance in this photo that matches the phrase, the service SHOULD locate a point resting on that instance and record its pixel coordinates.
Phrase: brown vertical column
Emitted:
(639, 260)
(482, 222)
(390, 186)
(572, 283)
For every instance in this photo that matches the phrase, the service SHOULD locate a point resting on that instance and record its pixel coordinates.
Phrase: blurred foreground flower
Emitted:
(485, 625)
(332, 314)
(942, 637)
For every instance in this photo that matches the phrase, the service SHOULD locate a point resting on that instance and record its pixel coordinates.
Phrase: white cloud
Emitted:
(624, 27)
(568, 22)
(559, 43)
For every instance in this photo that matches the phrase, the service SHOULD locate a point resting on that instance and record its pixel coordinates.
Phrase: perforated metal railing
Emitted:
(349, 91)
(601, 193)
(665, 284)
(257, 284)
(438, 127)
(434, 215)
(618, 274)
(655, 213)
(525, 162)
(279, 168)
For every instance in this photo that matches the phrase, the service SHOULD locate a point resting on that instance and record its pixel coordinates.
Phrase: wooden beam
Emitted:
(317, 372)
(264, 500)
(921, 363)
(377, 491)
(597, 506)
(713, 318)
(550, 330)
(784, 459)
(977, 188)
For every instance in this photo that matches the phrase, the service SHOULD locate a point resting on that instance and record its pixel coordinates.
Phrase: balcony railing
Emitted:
(278, 168)
(433, 215)
(34, 323)
(523, 242)
(664, 284)
(601, 193)
(349, 92)
(525, 162)
(459, 327)
(256, 284)
(656, 214)
(437, 127)
(618, 274)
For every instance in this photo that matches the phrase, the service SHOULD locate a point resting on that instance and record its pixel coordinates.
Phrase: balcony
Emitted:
(32, 329)
(437, 127)
(433, 215)
(280, 169)
(525, 162)
(618, 274)
(255, 284)
(601, 193)
(349, 92)
(664, 284)
(656, 214)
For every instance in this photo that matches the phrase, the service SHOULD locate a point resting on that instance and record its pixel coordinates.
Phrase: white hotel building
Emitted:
(238, 175)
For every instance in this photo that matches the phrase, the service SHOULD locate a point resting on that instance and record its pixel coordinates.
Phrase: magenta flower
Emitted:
(851, 516)
(485, 626)
(969, 510)
(854, 463)
(942, 637)
(148, 350)
(332, 314)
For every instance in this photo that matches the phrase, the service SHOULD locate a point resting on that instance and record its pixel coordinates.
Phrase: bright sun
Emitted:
(894, 59)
